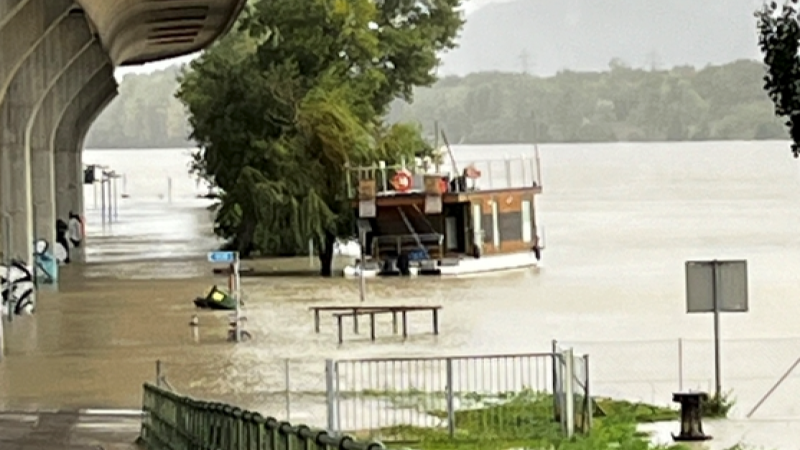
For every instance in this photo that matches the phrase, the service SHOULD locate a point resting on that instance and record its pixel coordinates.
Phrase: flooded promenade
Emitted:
(620, 220)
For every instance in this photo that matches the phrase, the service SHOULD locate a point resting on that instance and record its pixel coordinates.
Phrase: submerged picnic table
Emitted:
(340, 312)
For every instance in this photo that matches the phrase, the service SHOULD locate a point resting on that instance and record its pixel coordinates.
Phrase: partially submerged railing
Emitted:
(172, 421)
(399, 242)
(506, 173)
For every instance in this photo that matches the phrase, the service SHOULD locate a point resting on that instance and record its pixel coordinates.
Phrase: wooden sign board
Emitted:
(433, 204)
(367, 209)
(366, 189)
(433, 185)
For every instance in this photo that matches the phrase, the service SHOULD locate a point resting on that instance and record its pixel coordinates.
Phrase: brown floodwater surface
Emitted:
(620, 221)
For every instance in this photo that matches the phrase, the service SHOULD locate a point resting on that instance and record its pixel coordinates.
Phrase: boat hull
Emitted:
(463, 267)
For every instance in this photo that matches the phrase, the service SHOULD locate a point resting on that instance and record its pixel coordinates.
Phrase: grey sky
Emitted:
(469, 7)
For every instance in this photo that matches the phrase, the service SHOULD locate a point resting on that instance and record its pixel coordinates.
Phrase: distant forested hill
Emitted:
(621, 103)
(146, 114)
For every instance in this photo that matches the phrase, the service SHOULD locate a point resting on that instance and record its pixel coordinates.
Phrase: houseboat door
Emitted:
(451, 232)
(477, 218)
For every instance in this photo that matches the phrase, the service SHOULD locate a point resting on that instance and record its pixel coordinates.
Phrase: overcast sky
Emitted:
(469, 7)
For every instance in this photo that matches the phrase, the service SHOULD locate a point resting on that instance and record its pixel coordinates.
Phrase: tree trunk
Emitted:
(326, 256)
(245, 238)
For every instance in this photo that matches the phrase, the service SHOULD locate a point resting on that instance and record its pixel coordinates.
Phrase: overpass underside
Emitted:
(57, 61)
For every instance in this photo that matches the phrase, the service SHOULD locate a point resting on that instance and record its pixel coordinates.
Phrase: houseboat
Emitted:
(417, 219)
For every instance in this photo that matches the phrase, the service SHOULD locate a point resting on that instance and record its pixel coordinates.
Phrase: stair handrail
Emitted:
(424, 218)
(412, 230)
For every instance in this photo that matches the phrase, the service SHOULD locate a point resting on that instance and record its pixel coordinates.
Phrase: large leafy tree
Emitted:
(779, 39)
(281, 106)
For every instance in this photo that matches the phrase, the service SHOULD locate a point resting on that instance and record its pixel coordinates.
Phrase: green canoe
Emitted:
(216, 299)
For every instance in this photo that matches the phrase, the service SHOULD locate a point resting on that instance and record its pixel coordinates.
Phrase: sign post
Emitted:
(716, 287)
(232, 258)
(363, 228)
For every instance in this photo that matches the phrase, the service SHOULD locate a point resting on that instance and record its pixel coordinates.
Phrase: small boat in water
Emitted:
(216, 299)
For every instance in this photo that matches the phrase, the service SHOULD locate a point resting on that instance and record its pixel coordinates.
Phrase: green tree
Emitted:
(717, 102)
(779, 39)
(281, 107)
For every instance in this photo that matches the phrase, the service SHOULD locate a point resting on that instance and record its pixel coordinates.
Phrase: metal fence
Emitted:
(574, 403)
(390, 398)
(171, 421)
(293, 389)
(754, 371)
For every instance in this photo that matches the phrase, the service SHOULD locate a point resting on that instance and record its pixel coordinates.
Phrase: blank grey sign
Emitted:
(731, 286)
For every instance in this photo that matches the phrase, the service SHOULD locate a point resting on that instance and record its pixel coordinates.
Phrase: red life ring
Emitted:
(402, 181)
(443, 186)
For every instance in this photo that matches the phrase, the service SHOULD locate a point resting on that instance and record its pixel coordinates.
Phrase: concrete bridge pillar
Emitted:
(23, 26)
(60, 47)
(68, 146)
(68, 142)
(94, 72)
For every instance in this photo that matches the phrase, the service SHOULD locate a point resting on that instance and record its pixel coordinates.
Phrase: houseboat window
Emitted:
(526, 221)
(495, 225)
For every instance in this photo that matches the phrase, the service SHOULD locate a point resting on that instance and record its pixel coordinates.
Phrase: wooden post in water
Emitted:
(372, 325)
(159, 373)
(103, 197)
(169, 189)
(115, 197)
(341, 333)
(109, 178)
(435, 317)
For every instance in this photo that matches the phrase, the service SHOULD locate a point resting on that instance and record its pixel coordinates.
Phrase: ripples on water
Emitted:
(620, 222)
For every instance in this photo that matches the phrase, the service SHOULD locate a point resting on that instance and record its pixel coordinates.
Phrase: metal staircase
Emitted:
(413, 232)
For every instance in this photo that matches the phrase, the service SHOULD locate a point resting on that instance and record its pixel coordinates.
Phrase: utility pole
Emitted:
(654, 61)
(524, 59)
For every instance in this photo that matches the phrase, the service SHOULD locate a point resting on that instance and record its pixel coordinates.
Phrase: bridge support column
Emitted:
(92, 69)
(61, 45)
(68, 140)
(23, 26)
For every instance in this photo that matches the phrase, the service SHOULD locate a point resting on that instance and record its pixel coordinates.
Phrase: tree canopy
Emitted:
(297, 92)
(621, 104)
(724, 102)
(779, 39)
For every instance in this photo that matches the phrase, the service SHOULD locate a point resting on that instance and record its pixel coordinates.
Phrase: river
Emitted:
(620, 221)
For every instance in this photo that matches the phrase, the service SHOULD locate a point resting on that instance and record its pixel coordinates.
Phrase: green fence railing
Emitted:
(174, 422)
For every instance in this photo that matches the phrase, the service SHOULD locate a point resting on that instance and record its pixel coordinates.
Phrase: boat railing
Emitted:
(400, 243)
(479, 175)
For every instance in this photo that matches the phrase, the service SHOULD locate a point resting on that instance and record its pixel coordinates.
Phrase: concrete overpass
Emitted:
(57, 59)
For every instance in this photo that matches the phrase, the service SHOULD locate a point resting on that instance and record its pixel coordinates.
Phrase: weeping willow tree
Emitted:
(779, 40)
(297, 92)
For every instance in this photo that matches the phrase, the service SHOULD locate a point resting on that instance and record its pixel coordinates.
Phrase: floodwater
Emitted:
(619, 221)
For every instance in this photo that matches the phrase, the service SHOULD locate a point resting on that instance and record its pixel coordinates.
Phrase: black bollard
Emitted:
(691, 416)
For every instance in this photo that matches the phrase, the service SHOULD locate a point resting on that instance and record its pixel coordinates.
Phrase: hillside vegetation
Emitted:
(725, 102)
